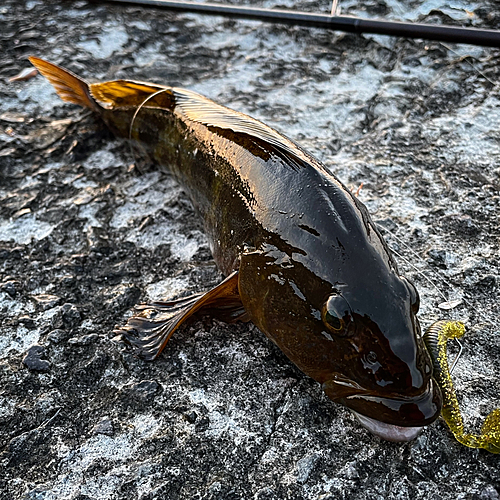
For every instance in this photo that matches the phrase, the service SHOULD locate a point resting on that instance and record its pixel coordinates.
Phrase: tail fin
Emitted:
(69, 87)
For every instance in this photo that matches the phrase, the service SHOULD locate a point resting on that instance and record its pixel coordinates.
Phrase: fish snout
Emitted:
(398, 410)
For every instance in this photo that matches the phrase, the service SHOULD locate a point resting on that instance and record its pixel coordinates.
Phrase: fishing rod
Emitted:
(350, 24)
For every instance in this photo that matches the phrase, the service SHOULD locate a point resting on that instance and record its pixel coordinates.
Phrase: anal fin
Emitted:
(149, 330)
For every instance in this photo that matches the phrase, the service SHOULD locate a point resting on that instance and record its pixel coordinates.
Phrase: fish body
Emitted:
(304, 260)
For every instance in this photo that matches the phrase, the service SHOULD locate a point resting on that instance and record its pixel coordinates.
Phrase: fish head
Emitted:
(358, 335)
(385, 376)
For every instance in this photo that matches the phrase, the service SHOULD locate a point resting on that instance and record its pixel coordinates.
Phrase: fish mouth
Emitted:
(388, 432)
(388, 415)
(401, 410)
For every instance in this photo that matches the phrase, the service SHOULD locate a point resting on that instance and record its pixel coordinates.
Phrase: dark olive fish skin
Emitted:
(313, 272)
(297, 235)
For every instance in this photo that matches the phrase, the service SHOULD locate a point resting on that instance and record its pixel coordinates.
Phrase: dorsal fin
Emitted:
(118, 93)
(203, 110)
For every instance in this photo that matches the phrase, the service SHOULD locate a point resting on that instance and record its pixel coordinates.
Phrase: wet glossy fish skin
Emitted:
(277, 223)
(297, 237)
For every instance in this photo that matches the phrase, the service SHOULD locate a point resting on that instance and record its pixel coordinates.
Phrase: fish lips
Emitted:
(397, 410)
(398, 418)
(388, 432)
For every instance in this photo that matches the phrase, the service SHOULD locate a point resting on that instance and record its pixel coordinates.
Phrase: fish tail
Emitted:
(69, 87)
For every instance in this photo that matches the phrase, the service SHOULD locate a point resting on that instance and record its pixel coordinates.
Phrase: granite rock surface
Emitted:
(88, 229)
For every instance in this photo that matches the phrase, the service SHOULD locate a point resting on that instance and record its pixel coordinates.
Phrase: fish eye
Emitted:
(336, 314)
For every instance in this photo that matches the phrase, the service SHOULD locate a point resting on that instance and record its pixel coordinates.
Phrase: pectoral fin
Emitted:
(149, 330)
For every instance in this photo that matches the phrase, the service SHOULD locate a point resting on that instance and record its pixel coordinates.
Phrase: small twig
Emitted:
(47, 422)
(466, 59)
(333, 12)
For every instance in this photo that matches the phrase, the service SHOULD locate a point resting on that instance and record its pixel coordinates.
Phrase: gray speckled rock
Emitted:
(33, 359)
(84, 236)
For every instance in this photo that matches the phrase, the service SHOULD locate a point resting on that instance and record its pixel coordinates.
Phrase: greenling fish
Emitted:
(436, 337)
(303, 259)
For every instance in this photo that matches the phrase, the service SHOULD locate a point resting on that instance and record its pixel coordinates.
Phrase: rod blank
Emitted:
(350, 24)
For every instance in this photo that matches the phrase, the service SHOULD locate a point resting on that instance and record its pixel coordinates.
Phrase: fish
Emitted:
(301, 256)
(436, 338)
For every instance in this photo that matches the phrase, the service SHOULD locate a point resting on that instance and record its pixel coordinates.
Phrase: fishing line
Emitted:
(135, 116)
(140, 107)
(460, 346)
(441, 278)
(415, 254)
(412, 252)
(495, 85)
(466, 59)
(410, 263)
(457, 357)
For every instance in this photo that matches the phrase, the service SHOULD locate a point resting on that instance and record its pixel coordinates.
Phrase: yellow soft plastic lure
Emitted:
(436, 338)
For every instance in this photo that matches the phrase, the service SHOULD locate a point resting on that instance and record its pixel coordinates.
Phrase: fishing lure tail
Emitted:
(436, 338)
(69, 87)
